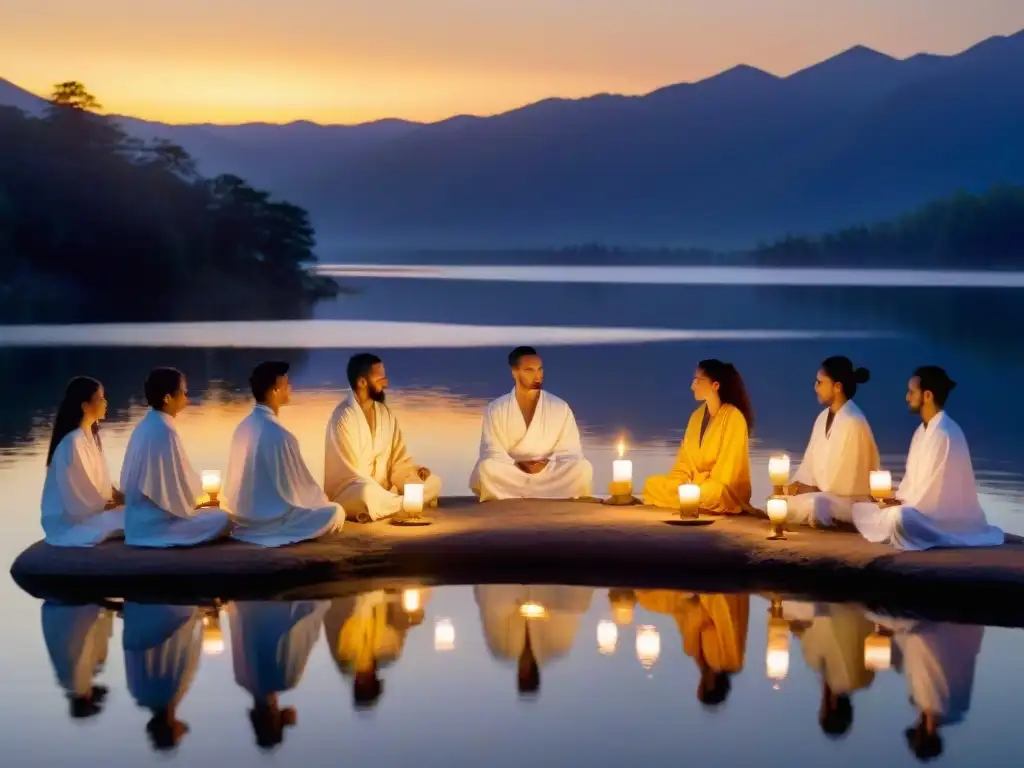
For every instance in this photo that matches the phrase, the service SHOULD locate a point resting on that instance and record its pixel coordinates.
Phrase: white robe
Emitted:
(840, 464)
(271, 642)
(270, 490)
(366, 471)
(940, 505)
(162, 646)
(76, 639)
(551, 637)
(552, 435)
(75, 493)
(161, 489)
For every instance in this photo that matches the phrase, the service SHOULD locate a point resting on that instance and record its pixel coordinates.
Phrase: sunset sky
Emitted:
(346, 61)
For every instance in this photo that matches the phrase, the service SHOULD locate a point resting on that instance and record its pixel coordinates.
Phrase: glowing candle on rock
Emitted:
(412, 500)
(648, 645)
(444, 636)
(689, 500)
(622, 469)
(211, 483)
(607, 637)
(778, 471)
(881, 484)
(777, 510)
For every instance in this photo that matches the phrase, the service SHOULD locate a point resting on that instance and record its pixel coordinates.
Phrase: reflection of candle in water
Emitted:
(622, 613)
(881, 484)
(689, 499)
(213, 636)
(777, 654)
(607, 637)
(778, 470)
(211, 482)
(411, 600)
(444, 635)
(877, 652)
(531, 610)
(412, 500)
(648, 645)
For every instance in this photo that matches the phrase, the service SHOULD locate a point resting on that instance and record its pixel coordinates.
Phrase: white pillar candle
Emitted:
(648, 645)
(607, 637)
(881, 484)
(444, 635)
(778, 469)
(689, 495)
(211, 481)
(777, 510)
(622, 471)
(412, 501)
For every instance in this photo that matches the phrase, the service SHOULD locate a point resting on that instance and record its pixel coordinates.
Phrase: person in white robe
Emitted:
(937, 502)
(162, 646)
(938, 661)
(530, 447)
(269, 489)
(77, 638)
(271, 643)
(832, 640)
(165, 505)
(841, 454)
(366, 462)
(80, 506)
(531, 642)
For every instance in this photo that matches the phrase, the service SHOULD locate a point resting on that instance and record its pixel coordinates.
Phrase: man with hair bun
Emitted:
(841, 454)
(937, 502)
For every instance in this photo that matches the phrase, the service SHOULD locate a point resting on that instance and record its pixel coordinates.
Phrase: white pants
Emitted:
(819, 509)
(561, 479)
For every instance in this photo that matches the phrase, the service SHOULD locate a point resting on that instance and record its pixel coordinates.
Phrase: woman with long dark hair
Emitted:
(841, 453)
(714, 452)
(80, 506)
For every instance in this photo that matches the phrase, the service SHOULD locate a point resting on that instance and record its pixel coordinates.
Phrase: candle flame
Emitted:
(621, 447)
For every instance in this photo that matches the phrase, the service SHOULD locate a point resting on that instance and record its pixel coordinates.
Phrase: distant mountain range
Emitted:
(723, 162)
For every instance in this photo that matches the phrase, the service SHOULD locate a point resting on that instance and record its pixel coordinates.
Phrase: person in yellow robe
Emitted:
(714, 632)
(714, 451)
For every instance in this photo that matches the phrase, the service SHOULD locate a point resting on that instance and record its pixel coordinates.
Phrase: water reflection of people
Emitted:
(714, 453)
(832, 639)
(531, 642)
(366, 633)
(162, 646)
(939, 660)
(270, 646)
(76, 638)
(713, 628)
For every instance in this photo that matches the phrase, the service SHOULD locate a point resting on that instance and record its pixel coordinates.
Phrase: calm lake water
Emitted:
(622, 354)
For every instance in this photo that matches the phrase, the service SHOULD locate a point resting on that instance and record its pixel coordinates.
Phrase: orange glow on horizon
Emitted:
(356, 61)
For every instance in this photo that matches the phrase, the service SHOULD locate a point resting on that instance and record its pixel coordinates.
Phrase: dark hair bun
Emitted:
(862, 375)
(952, 384)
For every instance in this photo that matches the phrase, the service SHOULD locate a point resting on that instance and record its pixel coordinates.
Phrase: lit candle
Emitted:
(622, 473)
(211, 483)
(444, 636)
(607, 637)
(689, 500)
(881, 484)
(777, 653)
(777, 509)
(532, 610)
(412, 500)
(411, 600)
(778, 470)
(877, 652)
(648, 645)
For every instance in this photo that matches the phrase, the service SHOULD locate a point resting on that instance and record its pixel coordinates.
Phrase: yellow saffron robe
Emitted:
(720, 465)
(713, 626)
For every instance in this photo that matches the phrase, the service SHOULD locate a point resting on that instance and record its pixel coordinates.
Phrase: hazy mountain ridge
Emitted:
(743, 155)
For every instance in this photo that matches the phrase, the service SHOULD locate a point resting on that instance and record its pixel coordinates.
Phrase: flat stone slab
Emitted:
(553, 542)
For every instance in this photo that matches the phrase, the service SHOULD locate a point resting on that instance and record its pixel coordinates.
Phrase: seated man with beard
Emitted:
(367, 464)
(530, 448)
